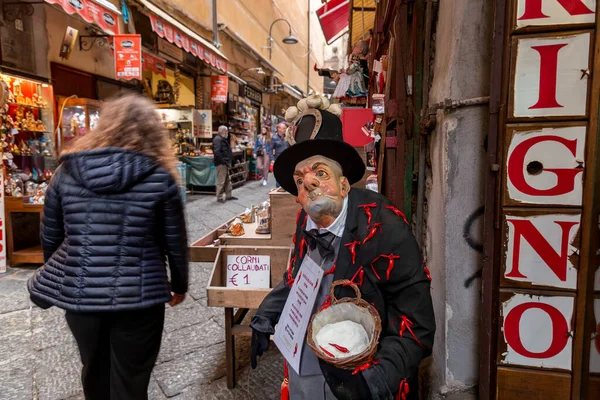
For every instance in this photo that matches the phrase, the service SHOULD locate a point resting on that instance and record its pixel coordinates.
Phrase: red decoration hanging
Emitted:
(364, 367)
(290, 278)
(325, 304)
(427, 272)
(403, 391)
(367, 208)
(398, 213)
(360, 274)
(352, 248)
(303, 246)
(391, 260)
(372, 232)
(330, 270)
(406, 324)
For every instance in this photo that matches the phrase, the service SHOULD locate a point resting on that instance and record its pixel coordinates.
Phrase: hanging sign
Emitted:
(97, 12)
(2, 231)
(128, 56)
(249, 272)
(175, 36)
(218, 91)
(153, 64)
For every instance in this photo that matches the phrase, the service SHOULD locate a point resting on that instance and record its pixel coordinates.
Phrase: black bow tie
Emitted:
(322, 241)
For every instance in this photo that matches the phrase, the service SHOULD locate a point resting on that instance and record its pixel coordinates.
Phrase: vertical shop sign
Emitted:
(2, 231)
(128, 56)
(203, 122)
(218, 92)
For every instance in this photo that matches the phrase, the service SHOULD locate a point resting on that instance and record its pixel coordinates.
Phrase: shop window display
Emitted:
(76, 118)
(28, 153)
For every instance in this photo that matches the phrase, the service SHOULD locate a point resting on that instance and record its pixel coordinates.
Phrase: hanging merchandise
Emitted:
(177, 84)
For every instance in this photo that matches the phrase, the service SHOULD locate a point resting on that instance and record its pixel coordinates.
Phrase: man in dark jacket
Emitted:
(223, 157)
(357, 235)
(279, 144)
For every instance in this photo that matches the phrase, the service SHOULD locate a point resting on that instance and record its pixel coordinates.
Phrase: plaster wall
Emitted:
(455, 187)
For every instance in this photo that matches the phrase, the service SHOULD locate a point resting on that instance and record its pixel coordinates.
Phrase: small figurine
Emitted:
(47, 175)
(15, 150)
(74, 124)
(25, 150)
(40, 127)
(29, 189)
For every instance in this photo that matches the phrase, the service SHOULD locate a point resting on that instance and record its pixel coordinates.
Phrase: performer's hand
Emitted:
(260, 344)
(343, 384)
(176, 299)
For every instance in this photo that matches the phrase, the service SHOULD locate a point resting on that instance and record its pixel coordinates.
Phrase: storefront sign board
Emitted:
(550, 78)
(248, 271)
(203, 122)
(540, 250)
(218, 91)
(254, 95)
(545, 165)
(537, 331)
(128, 56)
(535, 13)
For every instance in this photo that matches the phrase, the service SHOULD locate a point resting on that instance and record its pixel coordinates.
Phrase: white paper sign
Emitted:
(291, 330)
(249, 271)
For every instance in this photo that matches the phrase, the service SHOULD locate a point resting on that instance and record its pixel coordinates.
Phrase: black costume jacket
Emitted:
(400, 290)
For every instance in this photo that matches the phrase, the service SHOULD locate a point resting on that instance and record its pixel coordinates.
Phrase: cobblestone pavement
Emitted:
(39, 358)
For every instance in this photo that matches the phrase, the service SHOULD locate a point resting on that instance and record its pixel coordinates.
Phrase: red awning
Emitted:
(333, 18)
(167, 31)
(97, 12)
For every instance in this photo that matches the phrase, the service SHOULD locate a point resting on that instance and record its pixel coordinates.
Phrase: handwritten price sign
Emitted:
(249, 271)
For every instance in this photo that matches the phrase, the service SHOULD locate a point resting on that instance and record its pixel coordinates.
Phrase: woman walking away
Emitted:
(113, 216)
(262, 149)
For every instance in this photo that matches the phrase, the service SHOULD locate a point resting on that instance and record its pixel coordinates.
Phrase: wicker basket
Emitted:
(346, 309)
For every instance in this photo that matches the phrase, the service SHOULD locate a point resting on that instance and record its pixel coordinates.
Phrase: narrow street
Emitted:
(39, 358)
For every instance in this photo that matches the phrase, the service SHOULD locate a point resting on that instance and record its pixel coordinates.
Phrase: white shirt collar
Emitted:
(338, 226)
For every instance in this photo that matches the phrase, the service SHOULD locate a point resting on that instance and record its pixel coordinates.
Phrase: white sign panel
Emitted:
(203, 123)
(295, 317)
(546, 166)
(549, 81)
(595, 346)
(555, 12)
(249, 271)
(539, 249)
(2, 229)
(537, 331)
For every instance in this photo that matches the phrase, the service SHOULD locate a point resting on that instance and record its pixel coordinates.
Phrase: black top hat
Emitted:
(317, 133)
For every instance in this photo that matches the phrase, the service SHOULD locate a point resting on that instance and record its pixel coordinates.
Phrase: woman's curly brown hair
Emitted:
(132, 123)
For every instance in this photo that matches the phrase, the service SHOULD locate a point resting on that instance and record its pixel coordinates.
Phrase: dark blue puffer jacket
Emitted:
(111, 220)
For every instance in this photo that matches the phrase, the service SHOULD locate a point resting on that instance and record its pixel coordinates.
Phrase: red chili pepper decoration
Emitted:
(326, 352)
(290, 279)
(398, 213)
(330, 270)
(407, 324)
(325, 304)
(373, 267)
(403, 391)
(372, 232)
(364, 367)
(360, 274)
(367, 208)
(391, 259)
(427, 272)
(298, 216)
(303, 245)
(352, 247)
(339, 348)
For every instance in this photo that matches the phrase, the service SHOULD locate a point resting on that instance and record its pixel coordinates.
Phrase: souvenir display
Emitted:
(353, 83)
(263, 217)
(248, 216)
(237, 228)
(78, 117)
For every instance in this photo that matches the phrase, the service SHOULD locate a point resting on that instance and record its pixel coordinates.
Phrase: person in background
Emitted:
(262, 149)
(223, 156)
(112, 217)
(279, 144)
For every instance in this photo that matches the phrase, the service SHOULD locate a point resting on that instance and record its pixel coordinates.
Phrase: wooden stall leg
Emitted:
(230, 348)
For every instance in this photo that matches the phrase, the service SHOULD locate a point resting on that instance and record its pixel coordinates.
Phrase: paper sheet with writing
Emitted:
(291, 330)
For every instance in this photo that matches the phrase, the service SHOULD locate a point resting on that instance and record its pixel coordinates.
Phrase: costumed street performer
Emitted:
(352, 234)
